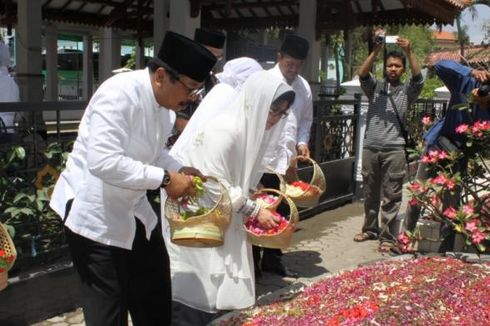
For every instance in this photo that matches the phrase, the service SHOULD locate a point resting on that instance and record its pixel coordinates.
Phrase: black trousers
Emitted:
(270, 256)
(115, 280)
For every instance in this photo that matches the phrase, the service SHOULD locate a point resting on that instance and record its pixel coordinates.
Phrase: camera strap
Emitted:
(403, 131)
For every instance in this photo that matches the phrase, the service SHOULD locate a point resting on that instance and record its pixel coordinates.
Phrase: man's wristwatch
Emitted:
(166, 179)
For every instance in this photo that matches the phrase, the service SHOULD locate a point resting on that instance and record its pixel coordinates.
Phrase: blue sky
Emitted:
(474, 26)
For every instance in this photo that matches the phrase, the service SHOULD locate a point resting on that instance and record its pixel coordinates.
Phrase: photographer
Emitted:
(383, 158)
(460, 80)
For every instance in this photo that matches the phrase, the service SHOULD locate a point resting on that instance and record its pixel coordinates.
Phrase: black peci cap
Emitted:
(295, 46)
(186, 57)
(214, 39)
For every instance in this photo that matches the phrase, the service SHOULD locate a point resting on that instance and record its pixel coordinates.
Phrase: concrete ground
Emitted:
(322, 244)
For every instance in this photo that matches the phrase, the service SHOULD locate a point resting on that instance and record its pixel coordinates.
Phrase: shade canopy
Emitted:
(332, 15)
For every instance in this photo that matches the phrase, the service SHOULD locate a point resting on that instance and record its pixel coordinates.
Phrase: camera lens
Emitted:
(484, 90)
(380, 38)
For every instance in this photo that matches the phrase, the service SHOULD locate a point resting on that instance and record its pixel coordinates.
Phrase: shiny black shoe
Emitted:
(279, 269)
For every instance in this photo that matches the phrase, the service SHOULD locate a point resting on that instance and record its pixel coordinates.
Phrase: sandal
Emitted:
(364, 236)
(386, 247)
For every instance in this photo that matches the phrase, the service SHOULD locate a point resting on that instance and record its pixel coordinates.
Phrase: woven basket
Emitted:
(4, 280)
(281, 239)
(206, 230)
(7, 245)
(311, 196)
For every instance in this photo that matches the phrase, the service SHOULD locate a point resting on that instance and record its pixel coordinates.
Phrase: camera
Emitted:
(483, 90)
(386, 39)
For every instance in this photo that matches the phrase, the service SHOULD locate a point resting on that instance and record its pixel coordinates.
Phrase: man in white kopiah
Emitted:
(294, 139)
(230, 148)
(9, 91)
(112, 231)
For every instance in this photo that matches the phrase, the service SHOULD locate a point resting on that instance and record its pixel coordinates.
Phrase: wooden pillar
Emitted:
(28, 44)
(181, 20)
(110, 53)
(348, 71)
(51, 63)
(160, 22)
(140, 53)
(306, 29)
(88, 67)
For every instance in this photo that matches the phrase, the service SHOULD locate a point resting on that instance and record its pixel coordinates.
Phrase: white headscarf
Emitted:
(240, 130)
(229, 147)
(235, 73)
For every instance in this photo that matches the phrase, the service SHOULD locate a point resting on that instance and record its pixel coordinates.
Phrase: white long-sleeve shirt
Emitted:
(118, 155)
(297, 128)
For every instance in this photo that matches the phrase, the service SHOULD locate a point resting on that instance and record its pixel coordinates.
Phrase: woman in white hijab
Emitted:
(235, 73)
(229, 147)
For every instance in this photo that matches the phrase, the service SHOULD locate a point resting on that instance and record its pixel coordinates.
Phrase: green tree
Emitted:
(463, 37)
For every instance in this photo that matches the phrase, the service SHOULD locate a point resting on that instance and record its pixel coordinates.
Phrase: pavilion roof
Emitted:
(474, 56)
(332, 15)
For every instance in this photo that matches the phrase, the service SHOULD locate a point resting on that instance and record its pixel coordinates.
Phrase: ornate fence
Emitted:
(333, 144)
(30, 161)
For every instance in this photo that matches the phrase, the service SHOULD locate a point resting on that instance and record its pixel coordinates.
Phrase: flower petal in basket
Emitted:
(267, 201)
(307, 197)
(206, 229)
(282, 238)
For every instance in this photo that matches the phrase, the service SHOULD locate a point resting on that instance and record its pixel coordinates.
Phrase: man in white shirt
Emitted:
(294, 138)
(9, 92)
(112, 231)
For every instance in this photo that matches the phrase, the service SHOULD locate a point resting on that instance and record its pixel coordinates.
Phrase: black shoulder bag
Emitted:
(408, 141)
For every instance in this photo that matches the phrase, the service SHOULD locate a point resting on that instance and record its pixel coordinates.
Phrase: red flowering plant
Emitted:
(407, 241)
(470, 216)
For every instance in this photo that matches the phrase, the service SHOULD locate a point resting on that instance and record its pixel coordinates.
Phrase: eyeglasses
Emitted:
(276, 112)
(190, 91)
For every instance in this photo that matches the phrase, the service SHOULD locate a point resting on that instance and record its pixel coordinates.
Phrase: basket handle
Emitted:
(303, 158)
(265, 190)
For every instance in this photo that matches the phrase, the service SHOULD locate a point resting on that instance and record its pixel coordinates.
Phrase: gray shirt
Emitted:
(383, 131)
